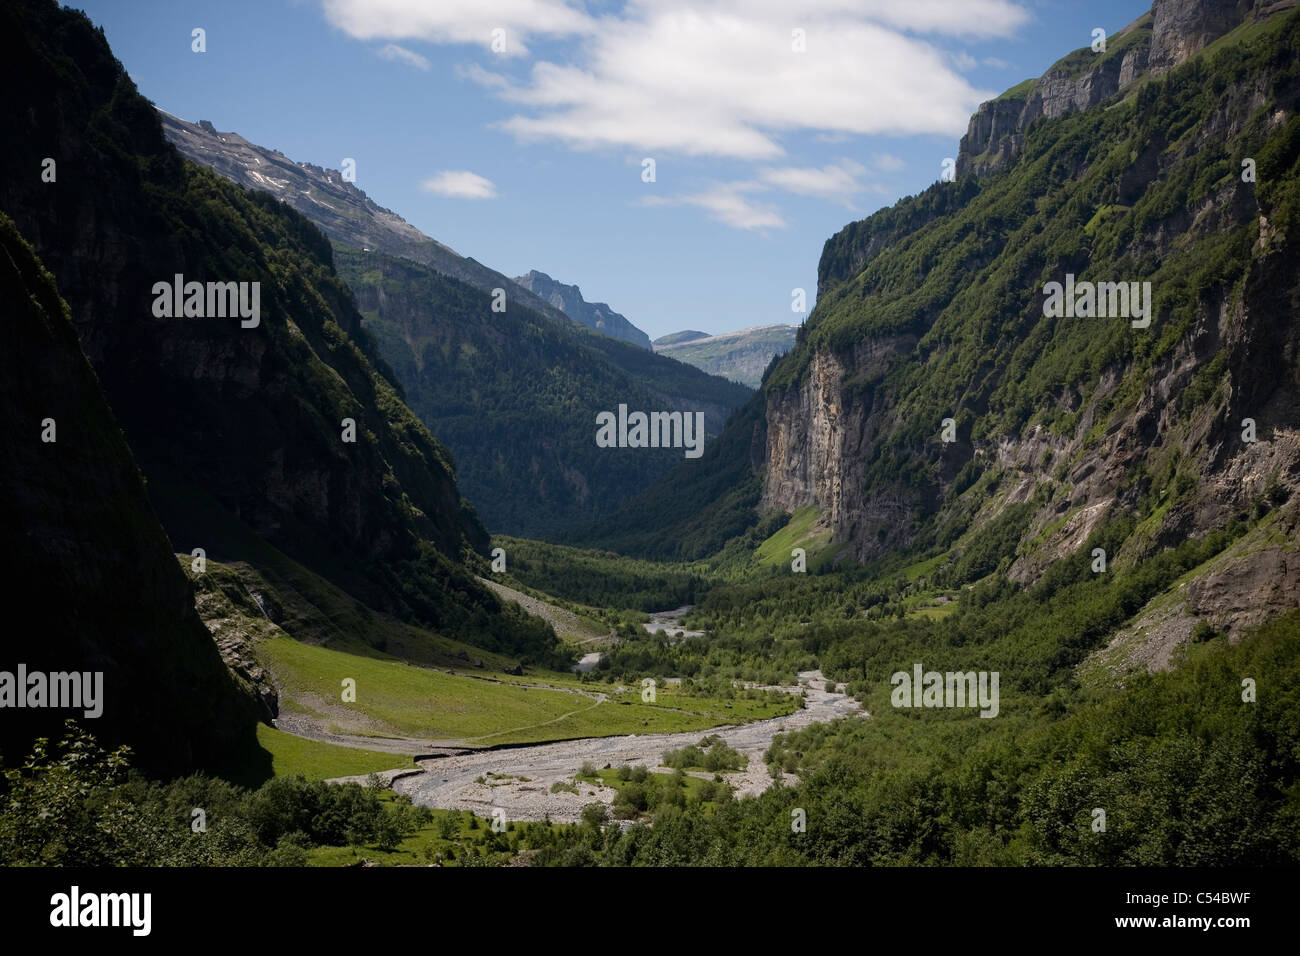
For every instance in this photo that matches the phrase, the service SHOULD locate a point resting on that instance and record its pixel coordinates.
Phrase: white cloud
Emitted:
(996, 63)
(887, 162)
(964, 61)
(458, 21)
(734, 204)
(713, 77)
(401, 54)
(728, 204)
(835, 182)
(460, 184)
(715, 84)
(983, 18)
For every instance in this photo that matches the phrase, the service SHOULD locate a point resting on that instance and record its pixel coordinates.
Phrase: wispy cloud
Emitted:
(737, 203)
(458, 21)
(401, 54)
(460, 184)
(712, 77)
(836, 182)
(727, 203)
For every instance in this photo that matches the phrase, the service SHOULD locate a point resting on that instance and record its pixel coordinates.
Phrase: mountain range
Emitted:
(741, 356)
(932, 406)
(939, 463)
(282, 447)
(513, 394)
(594, 315)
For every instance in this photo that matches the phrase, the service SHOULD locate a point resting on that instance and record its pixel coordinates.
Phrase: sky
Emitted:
(518, 131)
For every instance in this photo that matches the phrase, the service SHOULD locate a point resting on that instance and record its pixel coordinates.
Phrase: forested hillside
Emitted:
(76, 525)
(999, 566)
(932, 406)
(278, 433)
(515, 395)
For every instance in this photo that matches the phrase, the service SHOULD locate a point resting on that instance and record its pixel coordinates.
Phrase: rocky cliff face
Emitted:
(1156, 43)
(933, 309)
(820, 440)
(594, 315)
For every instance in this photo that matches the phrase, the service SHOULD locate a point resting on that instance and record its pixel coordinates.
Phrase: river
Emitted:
(449, 782)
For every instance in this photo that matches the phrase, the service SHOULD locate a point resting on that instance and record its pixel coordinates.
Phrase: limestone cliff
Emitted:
(933, 311)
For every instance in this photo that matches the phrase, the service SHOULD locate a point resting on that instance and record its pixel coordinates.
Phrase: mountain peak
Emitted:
(1171, 33)
(594, 315)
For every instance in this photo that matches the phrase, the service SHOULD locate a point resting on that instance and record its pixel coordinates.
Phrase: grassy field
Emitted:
(798, 533)
(394, 698)
(609, 778)
(408, 700)
(321, 761)
(573, 624)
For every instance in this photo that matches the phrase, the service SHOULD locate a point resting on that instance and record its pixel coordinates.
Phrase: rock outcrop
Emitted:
(1154, 44)
(933, 309)
(594, 315)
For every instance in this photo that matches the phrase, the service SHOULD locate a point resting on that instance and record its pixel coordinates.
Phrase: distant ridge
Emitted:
(740, 356)
(341, 210)
(594, 315)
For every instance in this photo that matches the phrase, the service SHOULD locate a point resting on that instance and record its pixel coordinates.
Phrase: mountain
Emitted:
(533, 375)
(1066, 434)
(1148, 47)
(515, 396)
(341, 210)
(279, 441)
(675, 337)
(594, 315)
(739, 356)
(85, 553)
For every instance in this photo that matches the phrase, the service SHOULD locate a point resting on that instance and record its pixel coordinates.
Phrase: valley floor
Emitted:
(518, 780)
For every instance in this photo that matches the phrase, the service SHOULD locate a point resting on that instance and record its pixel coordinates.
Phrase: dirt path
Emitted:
(525, 774)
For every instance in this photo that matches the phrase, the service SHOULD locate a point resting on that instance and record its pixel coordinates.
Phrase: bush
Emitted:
(635, 796)
(712, 753)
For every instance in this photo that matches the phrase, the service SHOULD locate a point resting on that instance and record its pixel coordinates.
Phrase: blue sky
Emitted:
(530, 156)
